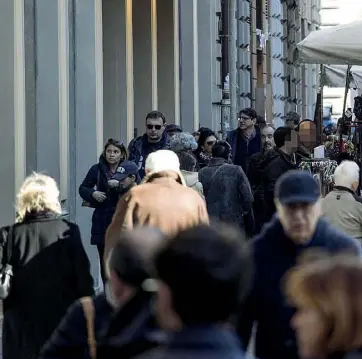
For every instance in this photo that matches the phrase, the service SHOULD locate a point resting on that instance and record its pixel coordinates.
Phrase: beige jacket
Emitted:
(161, 201)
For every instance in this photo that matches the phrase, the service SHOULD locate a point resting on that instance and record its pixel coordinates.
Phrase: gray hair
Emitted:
(346, 174)
(183, 141)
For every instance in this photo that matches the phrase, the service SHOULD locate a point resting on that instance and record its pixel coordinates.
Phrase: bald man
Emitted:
(124, 306)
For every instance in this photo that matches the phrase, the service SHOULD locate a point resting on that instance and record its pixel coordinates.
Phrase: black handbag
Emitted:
(6, 273)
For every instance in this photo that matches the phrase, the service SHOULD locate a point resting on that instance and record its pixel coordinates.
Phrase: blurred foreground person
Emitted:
(328, 298)
(342, 207)
(297, 227)
(122, 310)
(51, 269)
(203, 274)
(162, 200)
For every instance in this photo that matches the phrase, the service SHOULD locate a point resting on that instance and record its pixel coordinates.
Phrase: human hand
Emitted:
(99, 196)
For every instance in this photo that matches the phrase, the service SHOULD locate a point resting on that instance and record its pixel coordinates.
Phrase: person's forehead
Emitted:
(267, 131)
(154, 121)
(244, 115)
(113, 148)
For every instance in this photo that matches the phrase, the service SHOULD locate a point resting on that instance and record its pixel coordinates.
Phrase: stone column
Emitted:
(12, 104)
(118, 70)
(87, 128)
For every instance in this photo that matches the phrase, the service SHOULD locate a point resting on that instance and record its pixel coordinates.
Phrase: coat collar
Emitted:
(164, 177)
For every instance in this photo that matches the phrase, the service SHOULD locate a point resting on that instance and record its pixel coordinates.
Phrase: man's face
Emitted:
(308, 134)
(292, 143)
(299, 220)
(267, 138)
(246, 122)
(128, 182)
(170, 134)
(154, 129)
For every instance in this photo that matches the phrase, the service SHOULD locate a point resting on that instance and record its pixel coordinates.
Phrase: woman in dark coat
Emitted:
(51, 269)
(102, 187)
(206, 141)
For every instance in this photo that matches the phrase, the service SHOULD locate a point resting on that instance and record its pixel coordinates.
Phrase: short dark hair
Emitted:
(221, 149)
(132, 259)
(188, 161)
(260, 120)
(250, 112)
(154, 115)
(292, 116)
(204, 135)
(281, 135)
(209, 272)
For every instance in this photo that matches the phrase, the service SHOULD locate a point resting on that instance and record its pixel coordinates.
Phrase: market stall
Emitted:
(338, 50)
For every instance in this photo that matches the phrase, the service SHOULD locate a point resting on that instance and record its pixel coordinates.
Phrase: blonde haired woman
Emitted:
(51, 269)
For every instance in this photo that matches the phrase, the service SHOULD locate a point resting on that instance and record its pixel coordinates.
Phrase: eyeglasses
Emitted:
(157, 127)
(210, 143)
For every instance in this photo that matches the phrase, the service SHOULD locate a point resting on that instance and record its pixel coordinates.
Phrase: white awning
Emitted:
(337, 45)
(335, 76)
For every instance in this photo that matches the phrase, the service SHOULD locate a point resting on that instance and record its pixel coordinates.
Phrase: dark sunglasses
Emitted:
(211, 143)
(157, 127)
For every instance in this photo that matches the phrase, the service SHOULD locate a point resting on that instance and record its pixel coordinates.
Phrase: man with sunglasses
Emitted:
(245, 140)
(155, 138)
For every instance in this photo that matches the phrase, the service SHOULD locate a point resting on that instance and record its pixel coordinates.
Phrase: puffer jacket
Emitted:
(192, 181)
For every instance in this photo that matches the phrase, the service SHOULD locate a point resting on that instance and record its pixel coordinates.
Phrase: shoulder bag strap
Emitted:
(88, 309)
(217, 171)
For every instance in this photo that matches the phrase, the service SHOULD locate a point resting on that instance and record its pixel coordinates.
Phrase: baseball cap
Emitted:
(296, 187)
(125, 169)
(163, 160)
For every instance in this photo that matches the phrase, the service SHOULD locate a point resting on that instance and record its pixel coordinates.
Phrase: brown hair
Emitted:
(116, 143)
(333, 287)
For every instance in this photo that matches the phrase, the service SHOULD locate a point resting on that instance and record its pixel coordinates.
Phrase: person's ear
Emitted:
(355, 186)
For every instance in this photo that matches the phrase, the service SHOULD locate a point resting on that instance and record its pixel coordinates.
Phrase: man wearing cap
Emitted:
(162, 200)
(125, 177)
(296, 228)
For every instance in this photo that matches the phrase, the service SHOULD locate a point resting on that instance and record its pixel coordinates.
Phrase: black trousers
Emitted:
(100, 248)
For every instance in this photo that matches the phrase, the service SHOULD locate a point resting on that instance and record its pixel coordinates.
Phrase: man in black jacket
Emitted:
(276, 163)
(297, 230)
(255, 175)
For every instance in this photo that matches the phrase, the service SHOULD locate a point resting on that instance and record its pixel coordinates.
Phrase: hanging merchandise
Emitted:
(321, 169)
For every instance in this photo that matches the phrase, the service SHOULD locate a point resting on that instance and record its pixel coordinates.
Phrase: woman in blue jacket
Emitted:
(102, 187)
